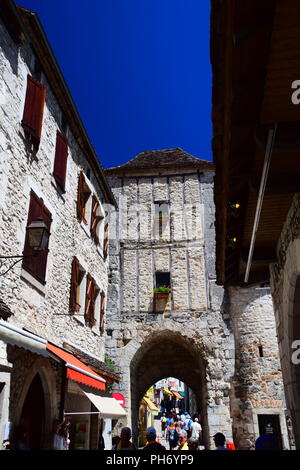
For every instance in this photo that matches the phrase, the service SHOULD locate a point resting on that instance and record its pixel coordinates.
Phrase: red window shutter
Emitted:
(95, 219)
(80, 196)
(90, 301)
(60, 161)
(105, 243)
(75, 274)
(34, 109)
(36, 265)
(102, 313)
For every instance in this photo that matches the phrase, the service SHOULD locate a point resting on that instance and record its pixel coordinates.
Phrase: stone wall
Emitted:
(257, 387)
(232, 384)
(44, 310)
(285, 286)
(41, 309)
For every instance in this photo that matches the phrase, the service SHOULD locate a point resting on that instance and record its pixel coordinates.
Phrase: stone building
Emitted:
(221, 344)
(53, 301)
(256, 69)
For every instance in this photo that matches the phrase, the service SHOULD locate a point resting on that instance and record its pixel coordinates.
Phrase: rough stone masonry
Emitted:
(208, 337)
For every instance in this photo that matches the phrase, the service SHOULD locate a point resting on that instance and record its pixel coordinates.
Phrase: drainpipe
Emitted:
(264, 176)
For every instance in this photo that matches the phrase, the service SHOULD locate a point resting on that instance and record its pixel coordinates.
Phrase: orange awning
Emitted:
(177, 395)
(150, 404)
(77, 370)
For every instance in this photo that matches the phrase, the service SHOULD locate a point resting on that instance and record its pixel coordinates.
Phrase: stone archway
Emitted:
(164, 354)
(48, 384)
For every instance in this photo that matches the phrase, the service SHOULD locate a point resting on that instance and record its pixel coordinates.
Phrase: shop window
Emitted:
(33, 110)
(60, 160)
(83, 197)
(77, 276)
(35, 262)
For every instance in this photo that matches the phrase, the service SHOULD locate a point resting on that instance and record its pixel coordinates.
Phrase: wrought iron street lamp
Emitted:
(38, 238)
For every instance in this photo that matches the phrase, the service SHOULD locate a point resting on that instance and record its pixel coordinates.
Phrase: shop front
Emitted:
(87, 406)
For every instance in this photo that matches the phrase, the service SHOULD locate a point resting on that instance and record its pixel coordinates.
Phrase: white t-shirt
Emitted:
(196, 428)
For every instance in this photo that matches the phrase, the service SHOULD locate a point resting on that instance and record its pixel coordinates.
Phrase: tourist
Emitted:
(125, 442)
(152, 444)
(163, 425)
(193, 444)
(266, 443)
(220, 440)
(172, 436)
(196, 430)
(183, 445)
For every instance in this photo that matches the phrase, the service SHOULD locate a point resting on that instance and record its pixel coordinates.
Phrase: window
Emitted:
(162, 279)
(82, 199)
(33, 110)
(102, 313)
(60, 160)
(161, 216)
(90, 300)
(35, 262)
(97, 218)
(261, 351)
(77, 275)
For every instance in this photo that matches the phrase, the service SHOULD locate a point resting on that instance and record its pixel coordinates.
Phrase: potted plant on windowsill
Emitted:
(162, 292)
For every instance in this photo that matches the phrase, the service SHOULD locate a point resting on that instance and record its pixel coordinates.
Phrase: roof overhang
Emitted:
(255, 58)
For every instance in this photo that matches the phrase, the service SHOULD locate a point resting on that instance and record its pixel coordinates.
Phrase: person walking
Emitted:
(152, 444)
(163, 425)
(172, 436)
(196, 430)
(125, 442)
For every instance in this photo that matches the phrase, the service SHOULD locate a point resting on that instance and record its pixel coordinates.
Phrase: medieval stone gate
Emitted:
(163, 234)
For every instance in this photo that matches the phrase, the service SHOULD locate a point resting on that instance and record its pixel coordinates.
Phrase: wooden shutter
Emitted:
(80, 196)
(33, 110)
(90, 301)
(95, 219)
(102, 313)
(105, 243)
(75, 274)
(60, 161)
(36, 265)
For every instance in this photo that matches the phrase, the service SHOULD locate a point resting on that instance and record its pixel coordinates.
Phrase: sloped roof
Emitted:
(166, 158)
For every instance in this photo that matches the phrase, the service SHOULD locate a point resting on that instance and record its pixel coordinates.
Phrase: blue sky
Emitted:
(138, 71)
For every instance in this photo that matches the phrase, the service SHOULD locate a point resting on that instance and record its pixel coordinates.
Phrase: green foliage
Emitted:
(156, 290)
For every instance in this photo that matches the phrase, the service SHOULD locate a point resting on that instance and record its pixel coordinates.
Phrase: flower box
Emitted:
(161, 295)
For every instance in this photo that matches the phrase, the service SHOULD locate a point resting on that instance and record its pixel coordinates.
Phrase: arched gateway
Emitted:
(164, 354)
(165, 314)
